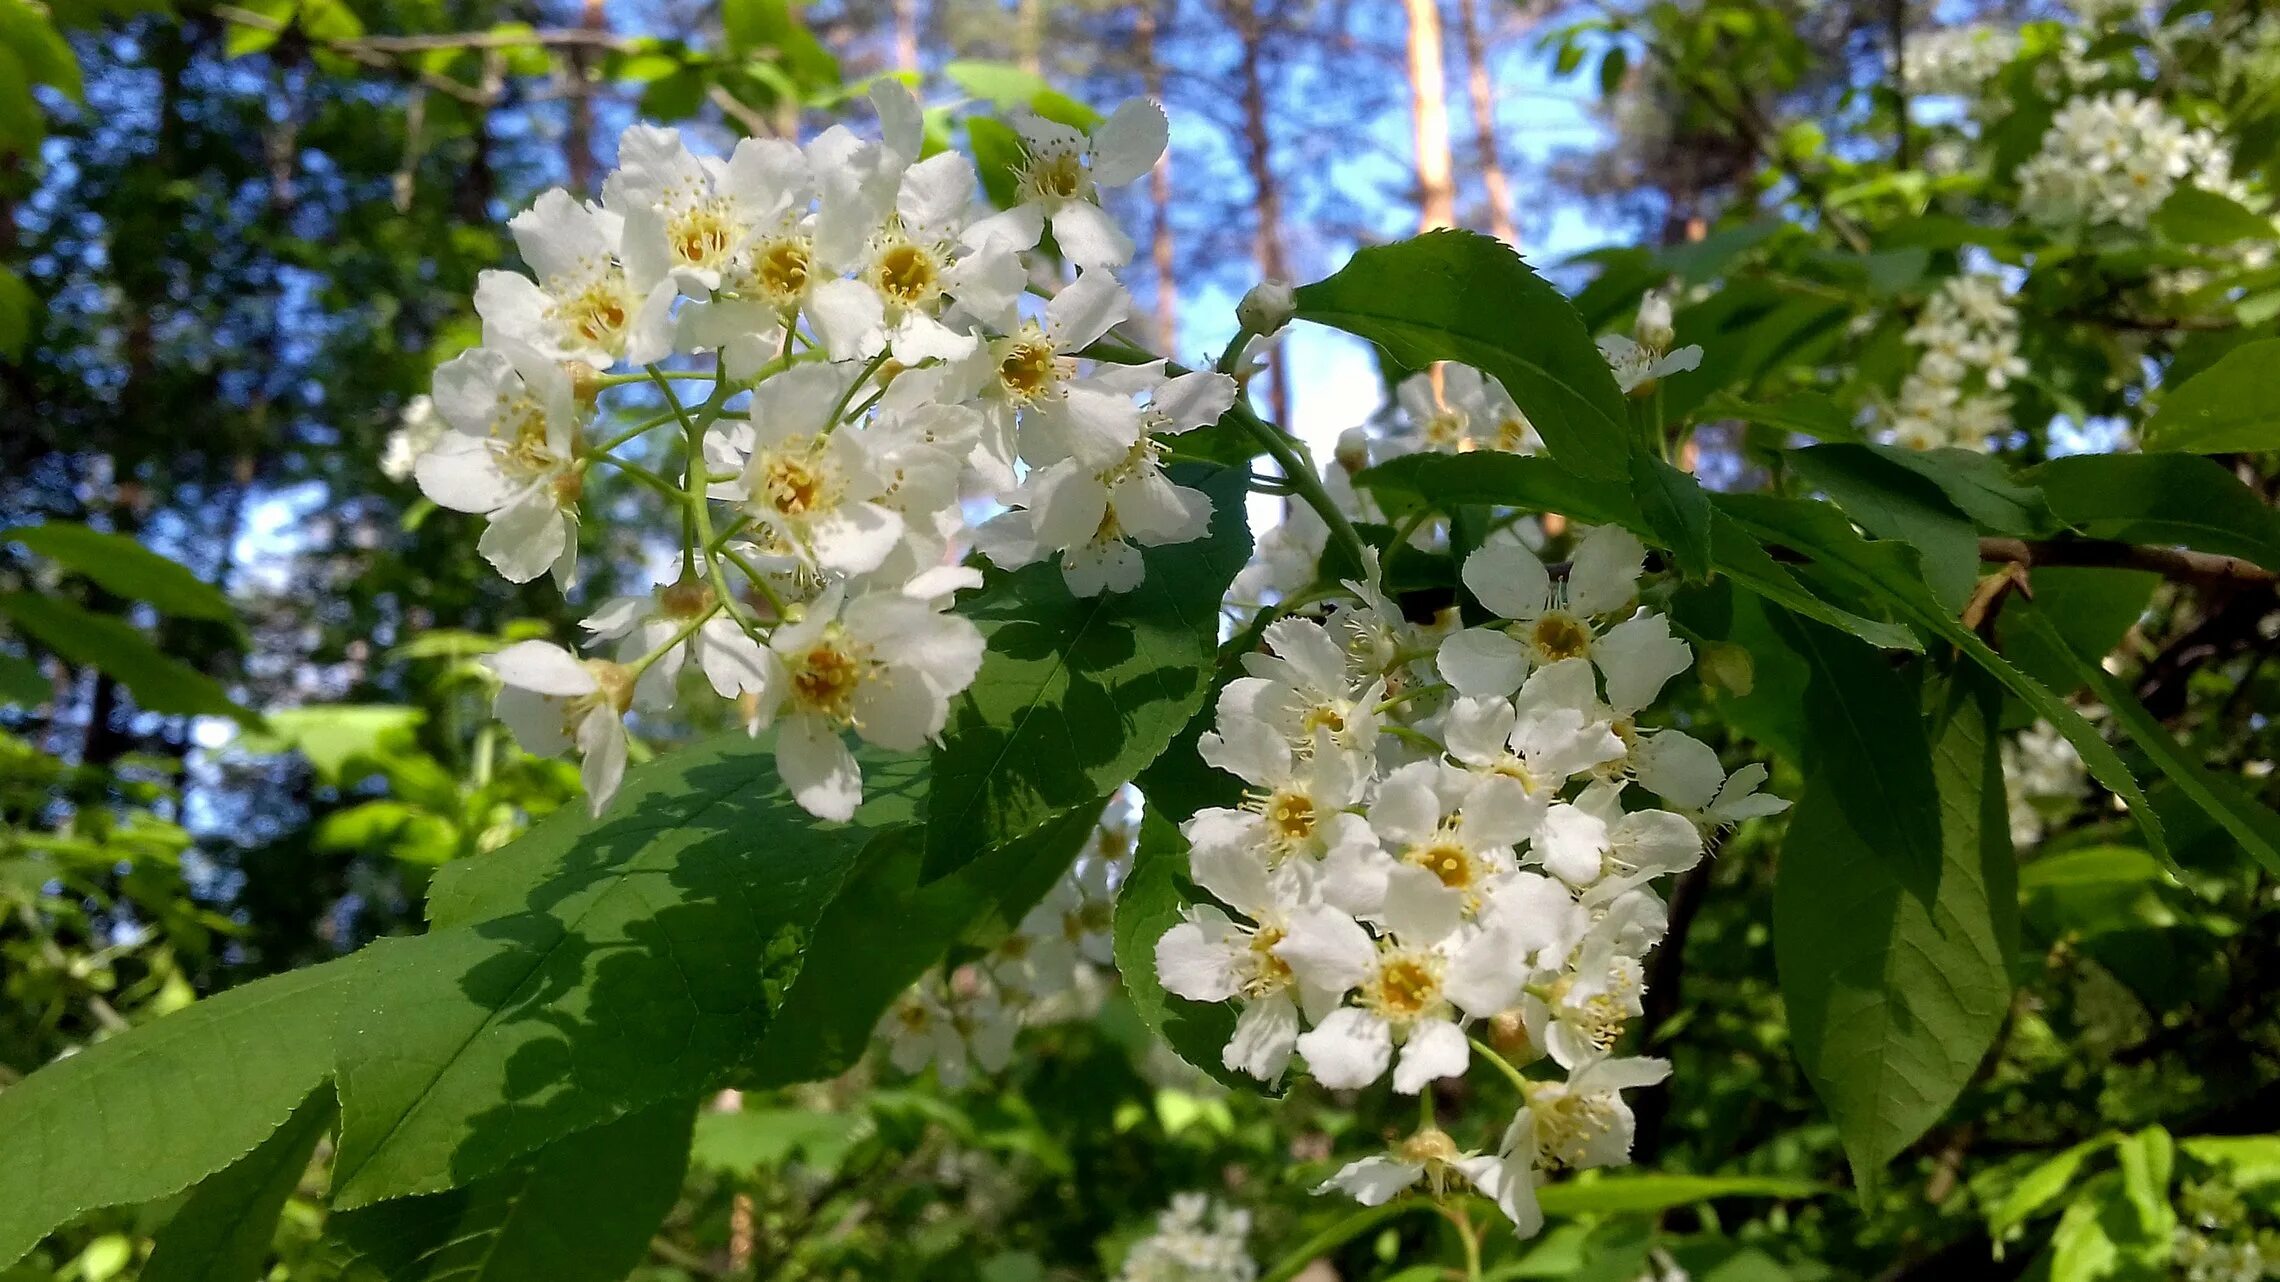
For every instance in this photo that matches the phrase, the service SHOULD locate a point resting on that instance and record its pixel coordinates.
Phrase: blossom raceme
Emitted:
(813, 354)
(1428, 877)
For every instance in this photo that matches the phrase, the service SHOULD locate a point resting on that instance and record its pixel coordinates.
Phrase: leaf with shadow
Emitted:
(1077, 695)
(593, 968)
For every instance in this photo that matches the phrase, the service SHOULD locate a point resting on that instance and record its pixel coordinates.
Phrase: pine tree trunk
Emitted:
(906, 35)
(1429, 112)
(1266, 192)
(1483, 93)
(1161, 249)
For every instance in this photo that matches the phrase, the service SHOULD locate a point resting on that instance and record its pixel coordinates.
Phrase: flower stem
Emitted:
(1337, 1235)
(1503, 1065)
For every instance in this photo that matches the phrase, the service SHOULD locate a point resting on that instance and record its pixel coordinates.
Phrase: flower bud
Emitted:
(1267, 308)
(1654, 329)
(1353, 450)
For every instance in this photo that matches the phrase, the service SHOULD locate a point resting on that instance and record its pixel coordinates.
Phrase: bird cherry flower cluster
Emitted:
(1438, 847)
(1196, 1239)
(2115, 158)
(1955, 396)
(836, 336)
(1050, 967)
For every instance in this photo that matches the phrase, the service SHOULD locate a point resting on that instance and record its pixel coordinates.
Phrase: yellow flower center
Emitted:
(1028, 367)
(794, 479)
(703, 236)
(780, 269)
(1567, 1123)
(599, 314)
(826, 677)
(1406, 987)
(907, 274)
(1559, 635)
(1269, 973)
(1290, 816)
(1054, 176)
(1448, 859)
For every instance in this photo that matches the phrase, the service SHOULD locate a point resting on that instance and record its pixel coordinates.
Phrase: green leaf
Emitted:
(774, 26)
(2089, 608)
(997, 153)
(125, 568)
(2227, 408)
(2197, 216)
(2041, 1186)
(1894, 502)
(41, 49)
(22, 683)
(1009, 88)
(112, 645)
(2254, 826)
(1526, 482)
(593, 967)
(583, 1210)
(1148, 904)
(1179, 781)
(222, 1232)
(333, 736)
(2171, 499)
(1461, 296)
(1741, 557)
(152, 1111)
(1077, 695)
(1895, 986)
(16, 306)
(752, 1141)
(1677, 513)
(889, 923)
(1979, 484)
(1884, 569)
(1648, 1193)
(1865, 744)
(1805, 413)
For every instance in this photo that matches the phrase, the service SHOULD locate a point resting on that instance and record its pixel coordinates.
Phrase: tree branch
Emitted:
(2200, 569)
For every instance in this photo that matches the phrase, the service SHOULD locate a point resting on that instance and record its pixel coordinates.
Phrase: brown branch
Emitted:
(2200, 569)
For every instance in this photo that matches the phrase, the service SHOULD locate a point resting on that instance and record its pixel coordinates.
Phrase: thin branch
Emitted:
(2200, 569)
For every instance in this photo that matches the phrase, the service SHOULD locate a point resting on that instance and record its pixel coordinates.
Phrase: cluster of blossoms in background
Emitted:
(1196, 1239)
(1955, 395)
(2114, 158)
(1053, 966)
(850, 359)
(2043, 781)
(1434, 845)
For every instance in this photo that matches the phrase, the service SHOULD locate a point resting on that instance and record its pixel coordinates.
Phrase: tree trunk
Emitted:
(1429, 112)
(1029, 36)
(578, 141)
(1266, 193)
(1161, 249)
(1483, 93)
(906, 35)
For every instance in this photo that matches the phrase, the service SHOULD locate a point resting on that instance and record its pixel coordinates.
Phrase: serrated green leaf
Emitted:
(158, 1108)
(2254, 826)
(332, 736)
(1460, 296)
(1865, 744)
(125, 568)
(222, 1232)
(2198, 216)
(2175, 500)
(1895, 986)
(1676, 512)
(593, 967)
(2225, 409)
(1526, 482)
(751, 1141)
(1741, 557)
(113, 646)
(2091, 609)
(1149, 903)
(1077, 695)
(582, 1210)
(1979, 484)
(1894, 502)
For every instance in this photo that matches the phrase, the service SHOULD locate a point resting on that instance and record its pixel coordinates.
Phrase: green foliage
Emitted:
(159, 682)
(125, 568)
(1150, 903)
(1459, 296)
(1078, 694)
(2164, 499)
(1894, 945)
(222, 1231)
(2226, 408)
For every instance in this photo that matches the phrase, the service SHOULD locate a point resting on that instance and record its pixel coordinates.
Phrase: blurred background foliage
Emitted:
(236, 239)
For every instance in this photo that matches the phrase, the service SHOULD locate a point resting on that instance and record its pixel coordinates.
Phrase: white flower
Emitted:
(1451, 831)
(1299, 807)
(706, 223)
(1210, 957)
(1196, 1240)
(552, 701)
(1638, 367)
(1548, 622)
(1061, 171)
(733, 663)
(511, 455)
(815, 486)
(1685, 772)
(586, 305)
(1300, 686)
(1550, 734)
(1593, 844)
(1577, 1124)
(1432, 1158)
(416, 433)
(883, 664)
(956, 1023)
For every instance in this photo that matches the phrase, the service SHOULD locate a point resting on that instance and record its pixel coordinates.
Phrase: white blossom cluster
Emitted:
(1956, 395)
(1197, 1239)
(2043, 778)
(848, 321)
(2113, 158)
(1958, 61)
(1047, 969)
(1453, 409)
(1435, 839)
